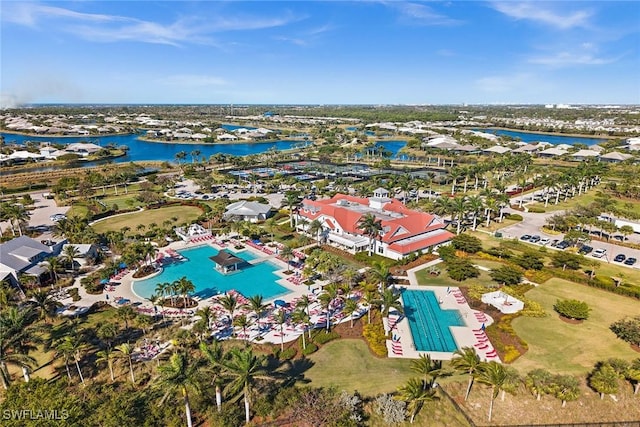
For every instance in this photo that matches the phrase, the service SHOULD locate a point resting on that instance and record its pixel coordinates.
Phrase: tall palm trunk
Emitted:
(491, 403)
(25, 373)
(466, 395)
(218, 398)
(187, 407)
(4, 376)
(247, 414)
(133, 379)
(79, 371)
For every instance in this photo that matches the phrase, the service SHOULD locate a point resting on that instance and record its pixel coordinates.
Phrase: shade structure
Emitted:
(280, 303)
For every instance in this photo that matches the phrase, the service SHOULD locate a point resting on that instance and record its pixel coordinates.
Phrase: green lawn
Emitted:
(183, 213)
(348, 365)
(427, 279)
(565, 348)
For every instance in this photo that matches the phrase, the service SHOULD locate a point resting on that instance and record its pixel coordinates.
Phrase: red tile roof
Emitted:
(409, 223)
(420, 244)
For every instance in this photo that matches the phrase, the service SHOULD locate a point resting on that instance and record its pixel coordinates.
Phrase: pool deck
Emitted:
(273, 334)
(471, 335)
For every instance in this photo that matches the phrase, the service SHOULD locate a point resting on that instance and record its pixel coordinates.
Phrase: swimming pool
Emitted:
(259, 279)
(430, 324)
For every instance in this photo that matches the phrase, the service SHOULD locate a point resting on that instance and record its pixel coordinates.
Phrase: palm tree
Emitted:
(229, 302)
(126, 313)
(214, 356)
(126, 352)
(315, 228)
(604, 380)
(466, 360)
(565, 388)
(184, 286)
(286, 253)
(326, 298)
(633, 375)
(44, 303)
(281, 319)
(73, 346)
(292, 198)
(257, 305)
(459, 209)
(427, 367)
(389, 299)
(242, 322)
(350, 307)
(371, 227)
(496, 376)
(106, 355)
(538, 381)
(69, 254)
(300, 316)
(179, 375)
(245, 368)
(475, 205)
(415, 392)
(17, 338)
(380, 272)
(53, 265)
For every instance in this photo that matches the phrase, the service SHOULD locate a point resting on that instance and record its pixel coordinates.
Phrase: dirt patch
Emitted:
(635, 347)
(570, 320)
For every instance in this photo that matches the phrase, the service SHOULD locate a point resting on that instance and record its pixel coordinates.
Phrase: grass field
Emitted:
(183, 213)
(348, 365)
(443, 279)
(565, 348)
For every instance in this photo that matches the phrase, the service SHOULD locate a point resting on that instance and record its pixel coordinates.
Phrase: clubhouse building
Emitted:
(404, 231)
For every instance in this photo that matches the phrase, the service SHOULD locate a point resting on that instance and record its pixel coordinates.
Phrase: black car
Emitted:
(563, 245)
(630, 261)
(554, 243)
(620, 258)
(585, 250)
(525, 237)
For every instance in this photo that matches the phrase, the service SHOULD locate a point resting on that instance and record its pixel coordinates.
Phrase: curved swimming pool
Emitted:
(259, 279)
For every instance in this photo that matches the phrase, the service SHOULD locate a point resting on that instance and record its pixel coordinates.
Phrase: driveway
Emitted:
(39, 216)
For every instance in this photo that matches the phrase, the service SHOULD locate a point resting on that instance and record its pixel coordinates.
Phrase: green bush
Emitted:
(324, 337)
(311, 348)
(534, 209)
(461, 269)
(572, 309)
(514, 217)
(73, 293)
(376, 338)
(465, 242)
(287, 353)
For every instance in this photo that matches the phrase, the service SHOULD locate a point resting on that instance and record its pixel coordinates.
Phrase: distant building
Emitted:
(404, 231)
(24, 255)
(248, 211)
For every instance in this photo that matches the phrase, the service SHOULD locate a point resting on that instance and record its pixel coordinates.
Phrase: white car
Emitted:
(57, 217)
(544, 241)
(599, 253)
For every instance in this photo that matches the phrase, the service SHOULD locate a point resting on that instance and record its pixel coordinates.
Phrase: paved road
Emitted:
(39, 216)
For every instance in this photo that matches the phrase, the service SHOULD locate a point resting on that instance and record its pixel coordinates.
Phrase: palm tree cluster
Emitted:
(15, 214)
(181, 287)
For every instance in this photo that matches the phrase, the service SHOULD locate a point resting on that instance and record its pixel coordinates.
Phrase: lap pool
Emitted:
(259, 279)
(430, 324)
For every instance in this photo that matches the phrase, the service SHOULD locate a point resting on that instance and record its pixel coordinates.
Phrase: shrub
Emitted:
(514, 217)
(534, 209)
(287, 353)
(529, 261)
(538, 276)
(324, 337)
(461, 269)
(376, 338)
(567, 260)
(572, 309)
(510, 354)
(506, 275)
(497, 253)
(465, 242)
(391, 410)
(311, 348)
(627, 329)
(73, 293)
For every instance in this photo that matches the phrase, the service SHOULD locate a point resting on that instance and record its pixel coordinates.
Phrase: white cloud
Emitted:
(192, 80)
(417, 13)
(567, 59)
(114, 28)
(537, 12)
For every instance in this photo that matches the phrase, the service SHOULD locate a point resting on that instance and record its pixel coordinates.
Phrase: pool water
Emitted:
(430, 324)
(259, 279)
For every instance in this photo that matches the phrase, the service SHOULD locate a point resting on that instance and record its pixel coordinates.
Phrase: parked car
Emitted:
(585, 250)
(57, 217)
(535, 238)
(544, 241)
(554, 243)
(620, 258)
(599, 253)
(563, 245)
(525, 237)
(630, 261)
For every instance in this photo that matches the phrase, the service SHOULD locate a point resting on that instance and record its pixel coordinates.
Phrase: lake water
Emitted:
(541, 137)
(143, 150)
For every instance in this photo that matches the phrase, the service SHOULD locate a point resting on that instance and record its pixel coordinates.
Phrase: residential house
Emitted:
(24, 255)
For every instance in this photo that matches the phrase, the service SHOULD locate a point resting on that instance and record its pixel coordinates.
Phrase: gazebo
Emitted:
(226, 261)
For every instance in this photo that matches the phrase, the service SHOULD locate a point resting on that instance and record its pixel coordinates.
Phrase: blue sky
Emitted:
(315, 52)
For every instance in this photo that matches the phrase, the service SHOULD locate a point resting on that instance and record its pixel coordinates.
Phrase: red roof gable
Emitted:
(410, 223)
(420, 244)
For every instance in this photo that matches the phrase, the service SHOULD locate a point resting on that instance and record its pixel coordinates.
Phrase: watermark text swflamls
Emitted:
(35, 414)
